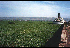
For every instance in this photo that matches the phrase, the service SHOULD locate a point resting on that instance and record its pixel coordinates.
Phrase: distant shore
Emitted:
(32, 18)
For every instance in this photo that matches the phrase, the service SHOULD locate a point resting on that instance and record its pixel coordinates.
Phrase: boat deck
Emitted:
(65, 36)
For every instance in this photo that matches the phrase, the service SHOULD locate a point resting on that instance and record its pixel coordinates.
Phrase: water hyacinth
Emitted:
(21, 46)
(26, 34)
(52, 29)
(20, 32)
(24, 30)
(37, 44)
(20, 28)
(18, 36)
(31, 39)
(51, 32)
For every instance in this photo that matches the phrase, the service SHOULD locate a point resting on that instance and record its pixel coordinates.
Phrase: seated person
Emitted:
(58, 20)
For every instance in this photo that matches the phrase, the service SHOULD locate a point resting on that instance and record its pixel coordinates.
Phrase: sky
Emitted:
(35, 9)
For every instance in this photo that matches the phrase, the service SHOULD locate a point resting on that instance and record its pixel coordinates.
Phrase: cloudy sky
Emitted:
(34, 8)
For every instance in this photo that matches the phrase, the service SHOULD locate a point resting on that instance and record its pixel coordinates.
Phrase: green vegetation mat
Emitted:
(26, 33)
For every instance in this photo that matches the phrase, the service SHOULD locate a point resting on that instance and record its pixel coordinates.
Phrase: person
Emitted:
(58, 19)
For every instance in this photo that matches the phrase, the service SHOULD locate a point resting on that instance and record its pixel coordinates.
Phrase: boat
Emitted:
(58, 20)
